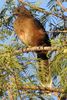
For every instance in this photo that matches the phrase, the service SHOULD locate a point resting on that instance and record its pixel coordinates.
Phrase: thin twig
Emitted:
(39, 9)
(60, 31)
(59, 3)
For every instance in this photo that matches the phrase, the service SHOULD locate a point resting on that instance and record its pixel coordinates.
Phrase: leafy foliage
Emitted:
(13, 65)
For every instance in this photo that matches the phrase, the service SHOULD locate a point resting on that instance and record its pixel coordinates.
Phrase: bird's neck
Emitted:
(24, 15)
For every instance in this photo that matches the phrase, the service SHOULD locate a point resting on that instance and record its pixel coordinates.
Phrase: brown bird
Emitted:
(32, 33)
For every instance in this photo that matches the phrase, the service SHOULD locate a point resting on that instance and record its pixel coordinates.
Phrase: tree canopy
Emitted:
(18, 70)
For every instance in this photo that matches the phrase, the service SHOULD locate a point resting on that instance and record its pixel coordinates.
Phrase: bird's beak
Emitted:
(14, 11)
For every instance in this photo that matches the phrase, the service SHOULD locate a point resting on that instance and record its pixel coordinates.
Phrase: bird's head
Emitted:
(21, 11)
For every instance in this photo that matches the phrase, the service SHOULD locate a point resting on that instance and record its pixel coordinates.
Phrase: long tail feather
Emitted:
(43, 69)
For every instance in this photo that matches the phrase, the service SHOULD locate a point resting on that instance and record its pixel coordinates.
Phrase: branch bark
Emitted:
(40, 48)
(43, 89)
(35, 48)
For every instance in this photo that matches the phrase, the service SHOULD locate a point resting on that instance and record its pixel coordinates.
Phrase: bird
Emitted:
(31, 32)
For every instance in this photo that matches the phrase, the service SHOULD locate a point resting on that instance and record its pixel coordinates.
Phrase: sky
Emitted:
(2, 2)
(65, 5)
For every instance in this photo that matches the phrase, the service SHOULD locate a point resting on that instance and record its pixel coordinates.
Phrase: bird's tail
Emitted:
(43, 69)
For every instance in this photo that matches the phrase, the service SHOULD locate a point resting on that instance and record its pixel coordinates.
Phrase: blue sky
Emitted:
(2, 2)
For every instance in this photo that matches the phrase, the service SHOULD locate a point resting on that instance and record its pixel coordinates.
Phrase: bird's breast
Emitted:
(28, 32)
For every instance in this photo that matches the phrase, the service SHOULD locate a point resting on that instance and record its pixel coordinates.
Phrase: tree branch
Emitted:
(40, 48)
(35, 48)
(43, 89)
